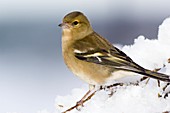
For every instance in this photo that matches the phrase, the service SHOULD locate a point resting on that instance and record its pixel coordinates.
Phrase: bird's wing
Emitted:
(97, 50)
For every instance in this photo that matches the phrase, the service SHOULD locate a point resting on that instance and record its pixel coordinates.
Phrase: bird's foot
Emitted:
(79, 105)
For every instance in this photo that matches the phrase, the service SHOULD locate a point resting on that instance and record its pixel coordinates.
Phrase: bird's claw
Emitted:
(79, 105)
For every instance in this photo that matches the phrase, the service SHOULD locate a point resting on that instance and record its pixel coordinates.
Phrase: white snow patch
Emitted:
(164, 32)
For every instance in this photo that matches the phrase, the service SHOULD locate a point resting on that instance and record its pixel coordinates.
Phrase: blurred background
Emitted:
(32, 71)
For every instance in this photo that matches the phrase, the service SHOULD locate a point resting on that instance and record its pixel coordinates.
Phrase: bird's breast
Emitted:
(89, 72)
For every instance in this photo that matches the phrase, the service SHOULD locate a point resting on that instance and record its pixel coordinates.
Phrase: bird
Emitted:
(93, 58)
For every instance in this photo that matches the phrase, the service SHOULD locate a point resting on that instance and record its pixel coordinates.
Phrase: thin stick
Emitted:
(143, 78)
(159, 84)
(166, 94)
(164, 88)
(113, 85)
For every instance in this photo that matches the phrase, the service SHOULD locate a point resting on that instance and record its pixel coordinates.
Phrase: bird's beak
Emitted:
(60, 25)
(64, 25)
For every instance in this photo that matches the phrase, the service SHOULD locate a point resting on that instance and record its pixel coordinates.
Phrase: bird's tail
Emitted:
(155, 75)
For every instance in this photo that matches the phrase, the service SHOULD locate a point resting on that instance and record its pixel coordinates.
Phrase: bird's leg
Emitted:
(91, 88)
(80, 103)
(85, 100)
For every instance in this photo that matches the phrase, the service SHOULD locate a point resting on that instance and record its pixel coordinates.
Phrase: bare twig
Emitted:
(157, 69)
(159, 95)
(159, 84)
(112, 90)
(113, 85)
(166, 94)
(143, 78)
(164, 88)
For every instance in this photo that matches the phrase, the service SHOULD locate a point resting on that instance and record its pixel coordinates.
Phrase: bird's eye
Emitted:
(75, 23)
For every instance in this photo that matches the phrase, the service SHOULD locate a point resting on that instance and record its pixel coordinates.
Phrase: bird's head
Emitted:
(77, 24)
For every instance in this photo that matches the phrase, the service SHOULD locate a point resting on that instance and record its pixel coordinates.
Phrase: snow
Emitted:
(143, 98)
(150, 54)
(130, 99)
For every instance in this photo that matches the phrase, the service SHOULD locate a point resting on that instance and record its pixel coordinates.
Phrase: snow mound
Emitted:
(150, 54)
(131, 99)
(164, 35)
